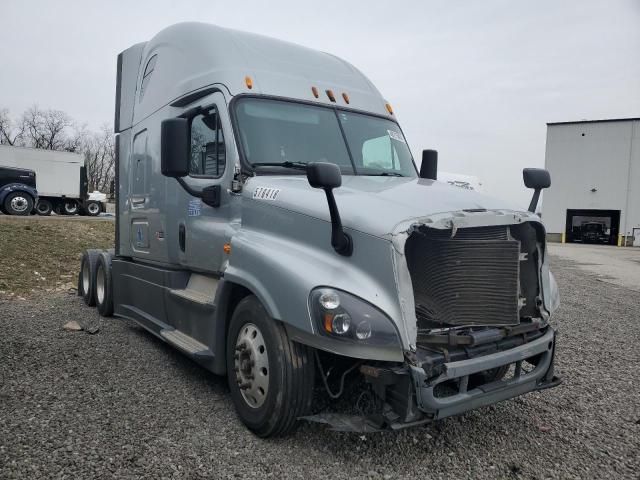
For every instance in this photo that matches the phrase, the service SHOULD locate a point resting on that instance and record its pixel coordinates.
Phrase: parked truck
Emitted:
(272, 225)
(62, 180)
(18, 192)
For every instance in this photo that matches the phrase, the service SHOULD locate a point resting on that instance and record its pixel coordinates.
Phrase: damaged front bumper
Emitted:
(418, 392)
(460, 398)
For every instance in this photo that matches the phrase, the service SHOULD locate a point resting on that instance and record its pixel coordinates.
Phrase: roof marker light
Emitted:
(249, 82)
(346, 98)
(389, 109)
(330, 95)
(315, 92)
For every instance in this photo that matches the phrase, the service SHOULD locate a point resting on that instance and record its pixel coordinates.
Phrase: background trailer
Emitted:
(595, 171)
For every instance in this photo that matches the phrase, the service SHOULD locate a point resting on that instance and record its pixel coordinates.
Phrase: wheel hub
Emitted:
(251, 365)
(19, 204)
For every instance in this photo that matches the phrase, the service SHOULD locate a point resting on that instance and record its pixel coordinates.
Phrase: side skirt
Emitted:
(176, 306)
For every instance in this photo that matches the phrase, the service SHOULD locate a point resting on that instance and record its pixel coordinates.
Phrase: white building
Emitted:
(595, 178)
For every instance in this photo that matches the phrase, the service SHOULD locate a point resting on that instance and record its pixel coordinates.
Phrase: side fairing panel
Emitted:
(123, 165)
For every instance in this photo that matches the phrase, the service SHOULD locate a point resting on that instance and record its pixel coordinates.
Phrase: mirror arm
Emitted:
(534, 200)
(187, 187)
(340, 240)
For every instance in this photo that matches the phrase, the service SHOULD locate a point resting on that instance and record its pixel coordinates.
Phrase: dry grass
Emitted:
(43, 254)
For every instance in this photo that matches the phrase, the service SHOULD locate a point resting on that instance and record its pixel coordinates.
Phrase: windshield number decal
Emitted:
(396, 136)
(266, 193)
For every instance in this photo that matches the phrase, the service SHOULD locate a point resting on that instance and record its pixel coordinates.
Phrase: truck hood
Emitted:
(373, 205)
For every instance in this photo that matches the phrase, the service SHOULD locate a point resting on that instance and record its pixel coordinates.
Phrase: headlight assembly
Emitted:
(347, 318)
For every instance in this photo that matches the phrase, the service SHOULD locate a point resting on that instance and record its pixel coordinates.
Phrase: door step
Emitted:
(185, 342)
(200, 290)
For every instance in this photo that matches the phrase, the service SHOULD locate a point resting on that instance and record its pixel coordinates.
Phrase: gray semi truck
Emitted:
(272, 225)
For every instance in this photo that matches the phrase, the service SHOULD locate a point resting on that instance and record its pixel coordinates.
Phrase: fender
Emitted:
(18, 187)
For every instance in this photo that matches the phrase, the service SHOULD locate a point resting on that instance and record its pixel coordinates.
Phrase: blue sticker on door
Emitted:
(195, 207)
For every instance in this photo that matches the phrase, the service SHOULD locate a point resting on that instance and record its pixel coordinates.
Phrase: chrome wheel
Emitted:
(85, 277)
(19, 204)
(251, 365)
(100, 280)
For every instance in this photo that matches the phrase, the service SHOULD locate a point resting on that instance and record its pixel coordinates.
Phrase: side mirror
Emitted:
(536, 178)
(324, 175)
(327, 176)
(429, 166)
(174, 147)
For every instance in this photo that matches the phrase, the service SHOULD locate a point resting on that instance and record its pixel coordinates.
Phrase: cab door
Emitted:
(204, 229)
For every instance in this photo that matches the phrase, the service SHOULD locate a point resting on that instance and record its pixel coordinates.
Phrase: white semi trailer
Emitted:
(62, 180)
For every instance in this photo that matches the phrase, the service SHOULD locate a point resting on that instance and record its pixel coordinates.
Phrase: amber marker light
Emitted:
(389, 109)
(328, 321)
(331, 95)
(314, 90)
(346, 98)
(249, 82)
(227, 248)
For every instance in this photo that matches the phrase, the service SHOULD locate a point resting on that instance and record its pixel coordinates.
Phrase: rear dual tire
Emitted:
(95, 280)
(103, 282)
(86, 278)
(44, 207)
(271, 378)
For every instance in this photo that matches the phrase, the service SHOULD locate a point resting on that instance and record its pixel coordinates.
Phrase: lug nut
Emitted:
(244, 386)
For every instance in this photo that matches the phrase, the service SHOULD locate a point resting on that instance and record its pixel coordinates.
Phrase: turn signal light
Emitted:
(249, 82)
(389, 109)
(227, 248)
(328, 321)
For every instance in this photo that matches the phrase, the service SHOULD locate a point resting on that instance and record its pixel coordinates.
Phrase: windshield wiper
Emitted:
(384, 174)
(287, 164)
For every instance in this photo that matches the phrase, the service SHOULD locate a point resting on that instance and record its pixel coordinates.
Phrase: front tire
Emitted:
(18, 203)
(270, 377)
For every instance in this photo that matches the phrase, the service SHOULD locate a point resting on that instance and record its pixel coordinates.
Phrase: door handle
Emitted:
(182, 236)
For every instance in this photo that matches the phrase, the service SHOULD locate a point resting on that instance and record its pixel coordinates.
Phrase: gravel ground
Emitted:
(122, 404)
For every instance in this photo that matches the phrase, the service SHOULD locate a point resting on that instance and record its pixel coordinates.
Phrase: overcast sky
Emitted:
(475, 80)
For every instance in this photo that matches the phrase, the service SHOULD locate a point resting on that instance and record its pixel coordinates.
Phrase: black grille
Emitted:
(470, 279)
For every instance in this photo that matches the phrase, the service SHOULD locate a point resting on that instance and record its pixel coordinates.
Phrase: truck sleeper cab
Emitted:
(272, 225)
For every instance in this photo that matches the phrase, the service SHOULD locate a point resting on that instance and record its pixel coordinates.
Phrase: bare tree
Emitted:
(46, 129)
(100, 155)
(10, 132)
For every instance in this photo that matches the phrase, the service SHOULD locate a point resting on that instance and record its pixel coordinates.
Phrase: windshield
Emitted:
(280, 134)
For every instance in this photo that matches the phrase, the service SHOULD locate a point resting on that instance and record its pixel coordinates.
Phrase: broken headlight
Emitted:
(345, 317)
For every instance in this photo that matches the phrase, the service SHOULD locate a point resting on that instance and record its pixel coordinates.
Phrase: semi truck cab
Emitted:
(272, 225)
(18, 192)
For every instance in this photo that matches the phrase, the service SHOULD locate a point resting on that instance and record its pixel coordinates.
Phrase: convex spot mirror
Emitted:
(536, 178)
(174, 147)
